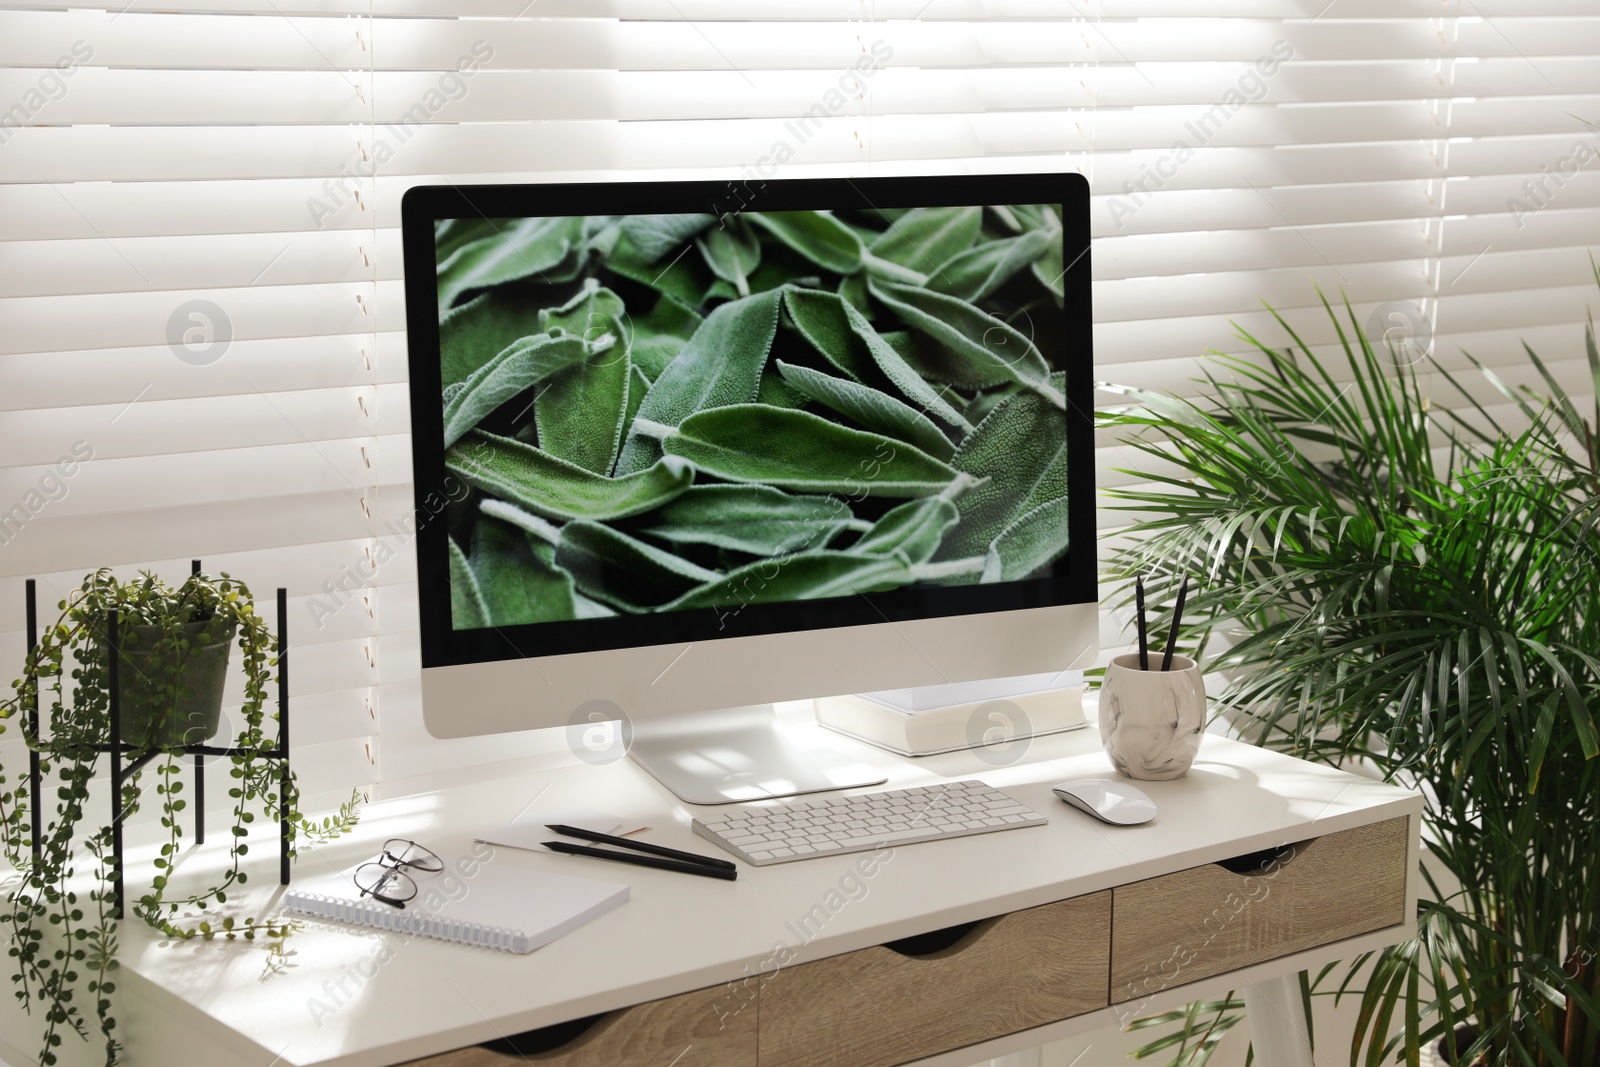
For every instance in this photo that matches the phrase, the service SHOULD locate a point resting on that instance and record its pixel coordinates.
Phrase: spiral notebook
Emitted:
(472, 901)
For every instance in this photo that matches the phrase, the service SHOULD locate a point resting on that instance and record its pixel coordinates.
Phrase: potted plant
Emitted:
(1410, 586)
(173, 658)
(172, 666)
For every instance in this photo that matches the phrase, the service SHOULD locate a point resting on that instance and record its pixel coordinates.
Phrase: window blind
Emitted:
(243, 161)
(1430, 154)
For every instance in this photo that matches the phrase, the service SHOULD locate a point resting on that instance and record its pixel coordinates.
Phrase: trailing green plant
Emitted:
(1412, 585)
(63, 932)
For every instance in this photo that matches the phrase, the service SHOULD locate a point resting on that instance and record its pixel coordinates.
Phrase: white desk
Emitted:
(337, 1006)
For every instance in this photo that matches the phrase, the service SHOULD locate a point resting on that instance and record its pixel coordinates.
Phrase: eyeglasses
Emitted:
(385, 878)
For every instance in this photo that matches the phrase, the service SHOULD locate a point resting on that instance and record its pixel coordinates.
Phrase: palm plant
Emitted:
(1416, 587)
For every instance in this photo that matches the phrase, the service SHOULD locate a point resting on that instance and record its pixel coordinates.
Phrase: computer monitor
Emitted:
(686, 447)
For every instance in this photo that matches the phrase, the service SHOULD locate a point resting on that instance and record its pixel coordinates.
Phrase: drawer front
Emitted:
(880, 1006)
(1201, 922)
(693, 1030)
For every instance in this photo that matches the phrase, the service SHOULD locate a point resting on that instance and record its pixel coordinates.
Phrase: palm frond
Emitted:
(1435, 615)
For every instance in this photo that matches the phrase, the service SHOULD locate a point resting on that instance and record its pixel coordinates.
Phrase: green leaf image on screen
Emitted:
(669, 412)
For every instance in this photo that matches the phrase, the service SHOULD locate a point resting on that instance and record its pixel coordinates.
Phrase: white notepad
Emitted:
(473, 901)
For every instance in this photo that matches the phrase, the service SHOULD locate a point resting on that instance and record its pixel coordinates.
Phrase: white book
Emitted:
(473, 901)
(901, 721)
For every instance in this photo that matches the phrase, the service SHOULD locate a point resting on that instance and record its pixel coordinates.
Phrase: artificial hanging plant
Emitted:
(63, 937)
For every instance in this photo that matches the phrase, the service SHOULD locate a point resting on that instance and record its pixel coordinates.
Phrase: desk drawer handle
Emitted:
(544, 1039)
(1254, 863)
(934, 943)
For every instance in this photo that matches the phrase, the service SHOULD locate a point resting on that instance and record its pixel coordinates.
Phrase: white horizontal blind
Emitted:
(254, 154)
(1423, 150)
(1431, 152)
(214, 354)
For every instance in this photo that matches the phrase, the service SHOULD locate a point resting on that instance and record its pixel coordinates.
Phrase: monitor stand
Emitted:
(741, 754)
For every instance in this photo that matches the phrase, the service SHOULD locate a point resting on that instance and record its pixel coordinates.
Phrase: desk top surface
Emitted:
(353, 997)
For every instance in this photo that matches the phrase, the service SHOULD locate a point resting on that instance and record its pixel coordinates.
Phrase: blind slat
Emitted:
(247, 367)
(152, 154)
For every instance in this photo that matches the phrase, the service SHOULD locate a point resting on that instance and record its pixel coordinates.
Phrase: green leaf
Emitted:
(638, 386)
(774, 391)
(980, 349)
(977, 272)
(720, 365)
(599, 233)
(518, 368)
(681, 276)
(682, 280)
(474, 333)
(986, 401)
(546, 535)
(538, 248)
(822, 322)
(732, 253)
(914, 530)
(803, 576)
(624, 571)
(1010, 218)
(659, 336)
(1021, 451)
(467, 610)
(847, 340)
(1050, 268)
(1032, 541)
(653, 236)
(556, 489)
(751, 518)
(451, 234)
(518, 580)
(582, 410)
(590, 314)
(853, 287)
(870, 408)
(798, 450)
(925, 237)
(816, 235)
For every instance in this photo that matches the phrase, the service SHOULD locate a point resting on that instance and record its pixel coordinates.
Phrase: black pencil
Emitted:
(701, 869)
(1144, 646)
(1177, 616)
(637, 846)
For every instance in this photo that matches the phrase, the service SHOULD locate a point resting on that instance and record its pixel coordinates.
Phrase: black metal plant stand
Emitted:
(126, 761)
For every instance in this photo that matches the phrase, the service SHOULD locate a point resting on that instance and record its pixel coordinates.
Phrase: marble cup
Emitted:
(1151, 721)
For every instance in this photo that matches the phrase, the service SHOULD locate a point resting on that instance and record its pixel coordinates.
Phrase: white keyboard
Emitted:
(805, 828)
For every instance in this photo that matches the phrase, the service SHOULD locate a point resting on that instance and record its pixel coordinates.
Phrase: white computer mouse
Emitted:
(1108, 800)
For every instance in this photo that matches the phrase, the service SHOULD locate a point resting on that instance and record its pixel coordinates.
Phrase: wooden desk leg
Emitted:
(1278, 1022)
(1033, 1057)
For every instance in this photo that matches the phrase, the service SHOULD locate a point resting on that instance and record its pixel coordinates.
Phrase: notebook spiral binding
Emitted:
(406, 921)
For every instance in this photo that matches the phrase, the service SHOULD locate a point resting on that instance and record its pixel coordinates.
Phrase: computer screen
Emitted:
(665, 412)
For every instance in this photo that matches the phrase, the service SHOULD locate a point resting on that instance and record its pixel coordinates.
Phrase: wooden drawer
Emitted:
(705, 1028)
(900, 1002)
(1197, 923)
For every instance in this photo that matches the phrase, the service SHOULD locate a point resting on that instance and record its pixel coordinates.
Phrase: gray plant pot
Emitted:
(151, 721)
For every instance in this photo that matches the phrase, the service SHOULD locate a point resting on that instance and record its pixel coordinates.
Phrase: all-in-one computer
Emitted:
(705, 446)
